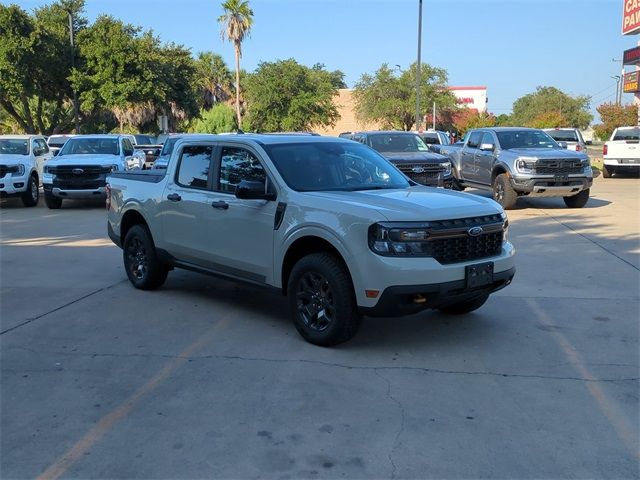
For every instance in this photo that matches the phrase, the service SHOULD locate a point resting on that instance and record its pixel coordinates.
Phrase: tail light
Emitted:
(605, 149)
(107, 190)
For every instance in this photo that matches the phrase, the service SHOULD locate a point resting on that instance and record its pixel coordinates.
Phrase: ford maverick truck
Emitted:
(518, 162)
(326, 221)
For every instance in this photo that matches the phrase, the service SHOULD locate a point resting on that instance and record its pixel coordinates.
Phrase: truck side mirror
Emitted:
(252, 190)
(487, 147)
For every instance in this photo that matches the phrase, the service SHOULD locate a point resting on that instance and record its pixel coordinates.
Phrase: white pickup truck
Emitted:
(327, 221)
(622, 152)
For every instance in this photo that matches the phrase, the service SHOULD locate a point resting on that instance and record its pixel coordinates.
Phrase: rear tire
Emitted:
(577, 201)
(503, 192)
(607, 172)
(456, 185)
(141, 262)
(32, 195)
(322, 301)
(466, 306)
(52, 202)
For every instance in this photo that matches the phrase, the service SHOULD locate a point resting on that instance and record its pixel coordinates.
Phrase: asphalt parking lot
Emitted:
(208, 378)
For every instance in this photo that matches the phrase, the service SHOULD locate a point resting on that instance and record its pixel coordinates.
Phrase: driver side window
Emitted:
(474, 140)
(237, 164)
(127, 147)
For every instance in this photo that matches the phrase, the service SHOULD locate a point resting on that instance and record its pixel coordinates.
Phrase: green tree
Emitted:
(236, 23)
(390, 99)
(549, 105)
(614, 116)
(215, 81)
(504, 120)
(287, 96)
(470, 119)
(218, 119)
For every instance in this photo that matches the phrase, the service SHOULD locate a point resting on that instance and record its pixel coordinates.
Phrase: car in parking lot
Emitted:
(622, 152)
(410, 154)
(328, 222)
(22, 159)
(162, 161)
(434, 139)
(571, 137)
(55, 142)
(80, 168)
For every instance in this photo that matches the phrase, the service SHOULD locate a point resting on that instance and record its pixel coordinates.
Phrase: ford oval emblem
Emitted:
(475, 231)
(77, 171)
(417, 170)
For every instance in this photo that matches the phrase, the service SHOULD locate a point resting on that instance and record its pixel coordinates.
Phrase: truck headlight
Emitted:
(446, 166)
(525, 166)
(20, 170)
(505, 226)
(403, 240)
(114, 168)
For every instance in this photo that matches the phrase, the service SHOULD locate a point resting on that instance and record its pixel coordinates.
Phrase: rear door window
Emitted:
(194, 169)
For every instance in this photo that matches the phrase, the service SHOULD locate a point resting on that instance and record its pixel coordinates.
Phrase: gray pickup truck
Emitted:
(327, 221)
(518, 162)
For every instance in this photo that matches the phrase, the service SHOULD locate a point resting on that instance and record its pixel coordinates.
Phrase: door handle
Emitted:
(174, 197)
(221, 204)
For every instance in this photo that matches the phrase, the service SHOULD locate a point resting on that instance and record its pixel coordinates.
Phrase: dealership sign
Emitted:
(631, 82)
(630, 17)
(632, 56)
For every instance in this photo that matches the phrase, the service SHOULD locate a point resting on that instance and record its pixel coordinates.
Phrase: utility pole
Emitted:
(419, 67)
(617, 79)
(73, 65)
(619, 90)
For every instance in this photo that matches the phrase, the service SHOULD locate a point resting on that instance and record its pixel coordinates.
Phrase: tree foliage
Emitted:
(550, 107)
(390, 99)
(470, 119)
(614, 116)
(287, 96)
(218, 119)
(214, 80)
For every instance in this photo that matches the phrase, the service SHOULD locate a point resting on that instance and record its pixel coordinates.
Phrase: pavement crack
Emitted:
(382, 368)
(79, 299)
(398, 441)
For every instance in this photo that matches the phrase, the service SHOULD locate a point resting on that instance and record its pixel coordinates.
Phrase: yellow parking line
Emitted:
(608, 407)
(60, 466)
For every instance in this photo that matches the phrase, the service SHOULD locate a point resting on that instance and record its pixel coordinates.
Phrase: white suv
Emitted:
(22, 159)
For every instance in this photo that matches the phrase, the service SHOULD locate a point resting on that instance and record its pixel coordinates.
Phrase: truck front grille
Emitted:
(79, 177)
(4, 169)
(423, 173)
(558, 167)
(462, 249)
(79, 170)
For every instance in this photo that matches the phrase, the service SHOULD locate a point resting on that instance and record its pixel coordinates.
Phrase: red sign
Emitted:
(631, 82)
(632, 56)
(630, 17)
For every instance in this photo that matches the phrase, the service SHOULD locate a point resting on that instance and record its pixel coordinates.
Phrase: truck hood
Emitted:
(412, 157)
(11, 159)
(61, 160)
(542, 153)
(412, 204)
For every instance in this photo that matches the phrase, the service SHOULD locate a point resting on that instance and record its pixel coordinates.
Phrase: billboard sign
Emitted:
(631, 82)
(632, 56)
(630, 17)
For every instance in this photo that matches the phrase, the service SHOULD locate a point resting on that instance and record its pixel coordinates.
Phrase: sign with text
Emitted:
(630, 17)
(631, 82)
(632, 56)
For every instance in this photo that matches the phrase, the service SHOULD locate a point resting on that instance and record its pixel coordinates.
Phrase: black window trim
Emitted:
(209, 186)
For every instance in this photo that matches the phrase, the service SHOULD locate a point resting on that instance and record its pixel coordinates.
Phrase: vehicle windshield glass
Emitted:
(14, 146)
(91, 146)
(525, 139)
(167, 147)
(397, 142)
(564, 135)
(144, 139)
(430, 138)
(319, 167)
(57, 141)
(627, 134)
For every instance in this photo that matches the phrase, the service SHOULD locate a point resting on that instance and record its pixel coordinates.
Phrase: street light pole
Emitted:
(618, 79)
(419, 67)
(73, 65)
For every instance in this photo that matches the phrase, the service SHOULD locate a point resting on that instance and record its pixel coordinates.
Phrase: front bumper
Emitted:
(99, 192)
(549, 186)
(13, 185)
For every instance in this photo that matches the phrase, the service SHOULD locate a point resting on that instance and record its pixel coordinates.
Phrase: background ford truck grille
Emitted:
(429, 174)
(559, 167)
(4, 169)
(88, 170)
(462, 249)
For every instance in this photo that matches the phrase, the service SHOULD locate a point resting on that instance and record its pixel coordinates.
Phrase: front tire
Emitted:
(32, 195)
(322, 301)
(457, 185)
(607, 172)
(577, 201)
(466, 306)
(143, 267)
(503, 192)
(52, 202)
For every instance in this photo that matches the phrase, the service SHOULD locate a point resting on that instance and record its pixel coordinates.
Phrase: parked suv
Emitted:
(80, 168)
(326, 221)
(408, 152)
(434, 139)
(22, 159)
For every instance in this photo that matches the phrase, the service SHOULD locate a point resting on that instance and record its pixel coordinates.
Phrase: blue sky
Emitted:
(511, 46)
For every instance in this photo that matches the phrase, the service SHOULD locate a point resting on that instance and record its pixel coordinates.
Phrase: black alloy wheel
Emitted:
(315, 301)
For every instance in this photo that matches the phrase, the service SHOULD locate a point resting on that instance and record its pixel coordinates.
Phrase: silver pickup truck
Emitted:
(517, 162)
(327, 221)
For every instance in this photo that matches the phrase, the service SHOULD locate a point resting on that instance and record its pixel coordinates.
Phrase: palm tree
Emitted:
(236, 24)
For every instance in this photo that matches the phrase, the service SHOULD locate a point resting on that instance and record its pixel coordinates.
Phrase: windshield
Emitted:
(627, 134)
(144, 139)
(317, 167)
(14, 146)
(430, 138)
(563, 135)
(397, 142)
(167, 147)
(525, 139)
(91, 146)
(57, 141)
